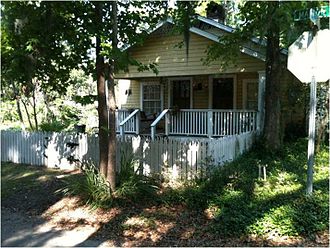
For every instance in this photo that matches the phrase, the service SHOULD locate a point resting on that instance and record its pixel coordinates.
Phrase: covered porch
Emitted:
(198, 106)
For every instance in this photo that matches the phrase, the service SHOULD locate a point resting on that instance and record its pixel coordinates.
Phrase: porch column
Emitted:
(261, 102)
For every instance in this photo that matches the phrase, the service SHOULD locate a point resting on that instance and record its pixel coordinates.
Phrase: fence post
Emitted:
(209, 123)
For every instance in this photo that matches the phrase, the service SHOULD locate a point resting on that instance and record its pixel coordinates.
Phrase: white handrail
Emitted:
(153, 125)
(121, 125)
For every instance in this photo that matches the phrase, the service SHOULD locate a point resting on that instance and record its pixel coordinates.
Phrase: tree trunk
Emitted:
(18, 106)
(34, 108)
(111, 174)
(272, 129)
(28, 115)
(19, 111)
(101, 94)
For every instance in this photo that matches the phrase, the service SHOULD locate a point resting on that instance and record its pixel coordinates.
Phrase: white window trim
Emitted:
(161, 93)
(245, 82)
(211, 78)
(170, 90)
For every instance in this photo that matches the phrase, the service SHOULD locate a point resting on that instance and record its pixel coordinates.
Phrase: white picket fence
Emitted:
(178, 158)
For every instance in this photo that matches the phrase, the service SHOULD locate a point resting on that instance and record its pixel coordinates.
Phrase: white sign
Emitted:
(310, 56)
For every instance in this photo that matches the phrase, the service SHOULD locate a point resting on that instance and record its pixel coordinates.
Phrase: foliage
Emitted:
(131, 183)
(242, 203)
(271, 24)
(92, 188)
(95, 191)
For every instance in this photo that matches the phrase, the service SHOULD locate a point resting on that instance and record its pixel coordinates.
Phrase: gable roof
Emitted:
(212, 36)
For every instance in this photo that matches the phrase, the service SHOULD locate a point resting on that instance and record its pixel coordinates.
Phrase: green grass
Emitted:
(18, 177)
(244, 204)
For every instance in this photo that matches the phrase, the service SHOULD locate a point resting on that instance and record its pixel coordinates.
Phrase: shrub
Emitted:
(131, 183)
(92, 187)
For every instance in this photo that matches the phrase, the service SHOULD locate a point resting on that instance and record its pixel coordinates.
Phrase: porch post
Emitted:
(137, 123)
(167, 123)
(261, 102)
(209, 123)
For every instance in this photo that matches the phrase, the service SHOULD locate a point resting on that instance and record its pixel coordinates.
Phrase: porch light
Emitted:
(128, 92)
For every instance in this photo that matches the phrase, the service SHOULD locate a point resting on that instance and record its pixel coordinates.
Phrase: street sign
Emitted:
(310, 55)
(323, 11)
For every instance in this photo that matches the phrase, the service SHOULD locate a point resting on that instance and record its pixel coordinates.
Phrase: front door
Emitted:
(181, 94)
(223, 93)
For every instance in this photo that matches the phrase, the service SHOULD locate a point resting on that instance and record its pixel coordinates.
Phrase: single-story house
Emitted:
(188, 97)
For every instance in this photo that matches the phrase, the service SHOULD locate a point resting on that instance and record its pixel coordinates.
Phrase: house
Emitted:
(190, 98)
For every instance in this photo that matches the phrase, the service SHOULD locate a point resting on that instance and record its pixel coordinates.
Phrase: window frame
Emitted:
(152, 83)
(245, 96)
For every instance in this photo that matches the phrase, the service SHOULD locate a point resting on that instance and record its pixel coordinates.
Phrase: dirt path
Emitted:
(18, 229)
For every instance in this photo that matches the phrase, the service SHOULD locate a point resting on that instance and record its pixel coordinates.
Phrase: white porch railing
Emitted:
(207, 122)
(131, 124)
(128, 121)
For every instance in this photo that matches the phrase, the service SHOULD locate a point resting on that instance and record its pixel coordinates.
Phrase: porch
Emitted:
(198, 106)
(188, 122)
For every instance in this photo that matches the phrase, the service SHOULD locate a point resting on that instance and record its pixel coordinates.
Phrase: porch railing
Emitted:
(128, 119)
(131, 124)
(207, 122)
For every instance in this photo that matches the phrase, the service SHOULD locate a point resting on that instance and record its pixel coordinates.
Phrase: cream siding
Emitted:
(201, 96)
(171, 59)
(125, 101)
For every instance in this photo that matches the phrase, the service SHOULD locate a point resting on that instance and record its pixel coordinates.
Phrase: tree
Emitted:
(52, 38)
(35, 54)
(274, 22)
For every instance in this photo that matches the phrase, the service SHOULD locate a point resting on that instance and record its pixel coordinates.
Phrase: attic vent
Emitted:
(216, 12)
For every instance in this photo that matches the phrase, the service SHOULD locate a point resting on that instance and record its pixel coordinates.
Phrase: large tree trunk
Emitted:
(111, 174)
(102, 103)
(272, 129)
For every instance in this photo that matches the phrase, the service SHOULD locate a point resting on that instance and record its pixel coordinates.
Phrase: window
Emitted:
(251, 94)
(151, 98)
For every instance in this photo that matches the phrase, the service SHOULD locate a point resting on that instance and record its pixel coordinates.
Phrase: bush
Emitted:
(92, 188)
(131, 183)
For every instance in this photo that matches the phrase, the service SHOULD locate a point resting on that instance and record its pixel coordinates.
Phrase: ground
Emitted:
(33, 214)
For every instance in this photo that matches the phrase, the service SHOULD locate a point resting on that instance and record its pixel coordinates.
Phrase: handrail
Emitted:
(219, 110)
(121, 125)
(153, 125)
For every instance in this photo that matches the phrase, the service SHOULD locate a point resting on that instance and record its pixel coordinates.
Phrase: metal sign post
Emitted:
(311, 136)
(308, 61)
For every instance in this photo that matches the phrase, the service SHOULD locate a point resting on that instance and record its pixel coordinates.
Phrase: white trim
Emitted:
(245, 82)
(212, 77)
(228, 29)
(142, 83)
(149, 31)
(213, 37)
(170, 90)
(216, 24)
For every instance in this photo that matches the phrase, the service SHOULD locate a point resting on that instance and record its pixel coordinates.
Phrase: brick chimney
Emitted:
(216, 12)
